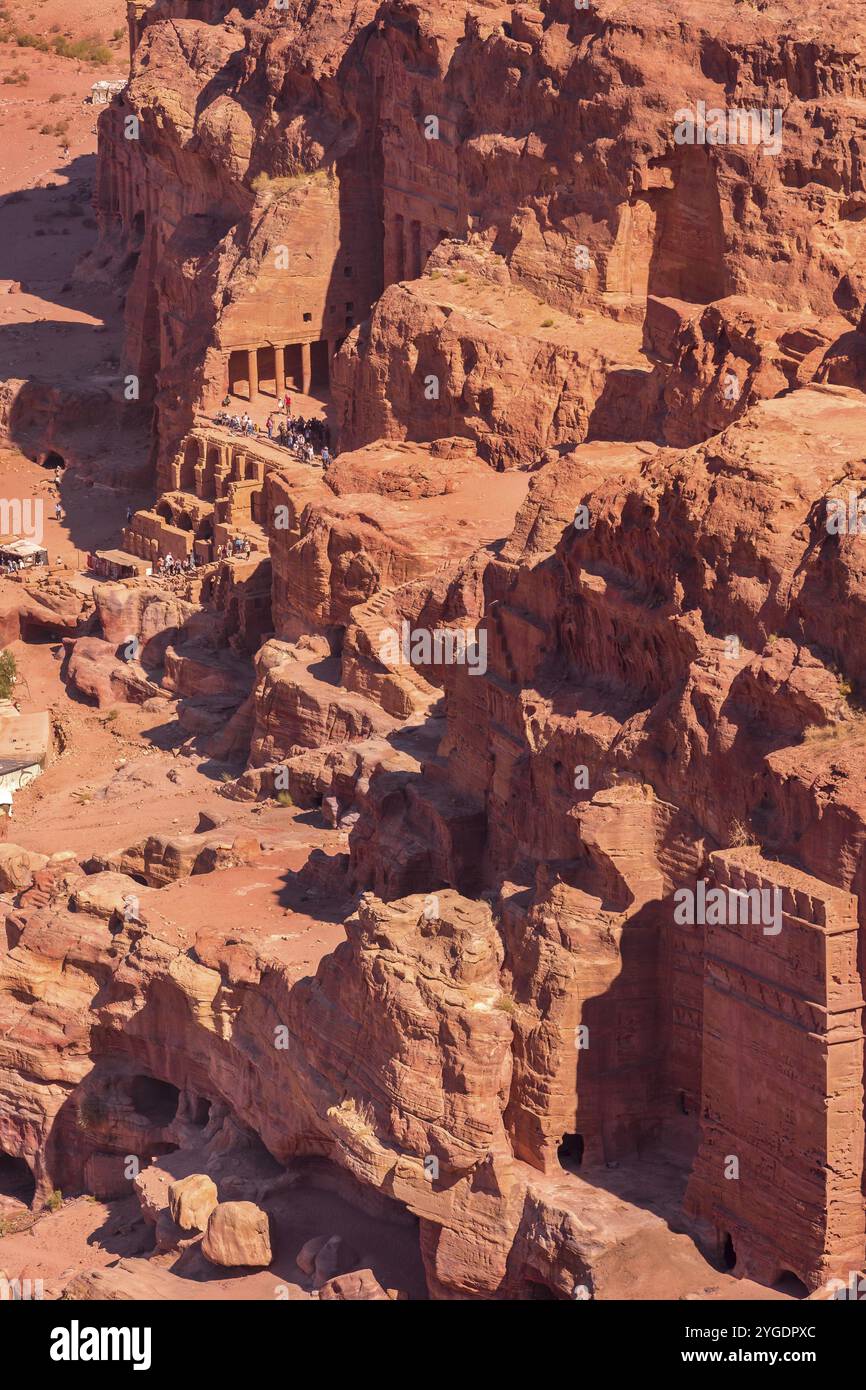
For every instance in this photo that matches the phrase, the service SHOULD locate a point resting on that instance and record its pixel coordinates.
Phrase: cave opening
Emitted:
(53, 460)
(199, 1110)
(155, 1100)
(729, 1254)
(16, 1180)
(570, 1151)
(540, 1293)
(320, 365)
(788, 1282)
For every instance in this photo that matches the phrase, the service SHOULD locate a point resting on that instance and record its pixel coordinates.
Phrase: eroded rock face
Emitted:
(464, 351)
(644, 215)
(37, 604)
(598, 392)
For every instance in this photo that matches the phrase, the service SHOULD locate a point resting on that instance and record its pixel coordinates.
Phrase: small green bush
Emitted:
(33, 41)
(88, 50)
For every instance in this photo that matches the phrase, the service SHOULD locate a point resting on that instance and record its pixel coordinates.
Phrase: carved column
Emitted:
(306, 369)
(135, 11)
(280, 371)
(253, 373)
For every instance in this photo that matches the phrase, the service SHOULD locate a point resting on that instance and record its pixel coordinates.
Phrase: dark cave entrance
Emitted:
(156, 1100)
(266, 359)
(729, 1254)
(53, 460)
(788, 1282)
(239, 373)
(16, 1180)
(198, 1110)
(294, 366)
(540, 1293)
(320, 365)
(570, 1151)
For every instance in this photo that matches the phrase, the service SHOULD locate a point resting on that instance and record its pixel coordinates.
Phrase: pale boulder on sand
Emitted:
(191, 1201)
(237, 1234)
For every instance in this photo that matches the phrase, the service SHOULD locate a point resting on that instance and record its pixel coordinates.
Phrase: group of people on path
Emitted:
(238, 547)
(306, 439)
(169, 565)
(238, 424)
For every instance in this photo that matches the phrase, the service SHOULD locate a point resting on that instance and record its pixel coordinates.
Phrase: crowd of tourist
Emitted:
(237, 547)
(168, 565)
(12, 564)
(307, 440)
(238, 424)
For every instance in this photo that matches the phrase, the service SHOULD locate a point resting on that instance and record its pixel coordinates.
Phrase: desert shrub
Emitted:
(282, 184)
(740, 836)
(87, 50)
(36, 41)
(8, 673)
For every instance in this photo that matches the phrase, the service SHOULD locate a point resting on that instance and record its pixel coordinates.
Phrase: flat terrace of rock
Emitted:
(443, 488)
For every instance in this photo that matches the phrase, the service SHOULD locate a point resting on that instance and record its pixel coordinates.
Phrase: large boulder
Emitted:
(96, 671)
(109, 894)
(18, 867)
(237, 1234)
(306, 1256)
(335, 1257)
(191, 1201)
(361, 1286)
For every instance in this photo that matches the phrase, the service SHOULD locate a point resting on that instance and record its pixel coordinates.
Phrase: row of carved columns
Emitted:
(280, 370)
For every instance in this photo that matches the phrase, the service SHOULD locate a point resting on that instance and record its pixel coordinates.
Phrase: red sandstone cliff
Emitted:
(533, 315)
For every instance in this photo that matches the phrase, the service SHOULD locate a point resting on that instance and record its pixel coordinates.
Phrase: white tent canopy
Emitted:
(28, 551)
(21, 547)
